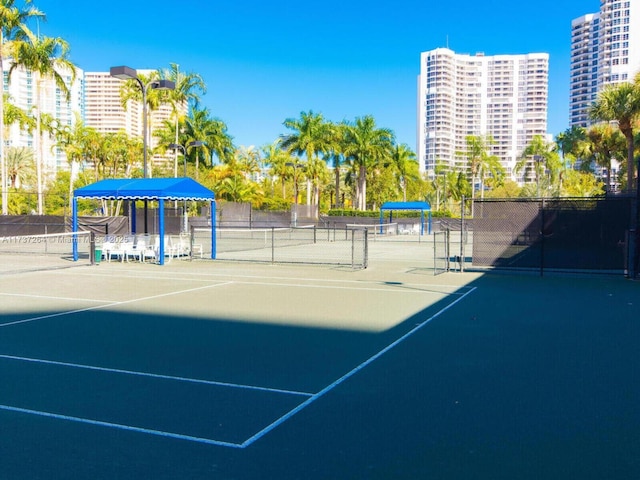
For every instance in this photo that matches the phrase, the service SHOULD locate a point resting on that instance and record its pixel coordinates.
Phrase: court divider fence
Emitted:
(441, 254)
(588, 235)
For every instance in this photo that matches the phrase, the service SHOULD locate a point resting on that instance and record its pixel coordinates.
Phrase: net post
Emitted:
(191, 242)
(366, 249)
(447, 249)
(353, 260)
(92, 247)
(273, 245)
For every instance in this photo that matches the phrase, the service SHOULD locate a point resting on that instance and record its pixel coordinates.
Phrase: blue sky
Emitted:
(264, 62)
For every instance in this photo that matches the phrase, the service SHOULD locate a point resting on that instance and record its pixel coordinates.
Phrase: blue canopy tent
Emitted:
(156, 189)
(407, 206)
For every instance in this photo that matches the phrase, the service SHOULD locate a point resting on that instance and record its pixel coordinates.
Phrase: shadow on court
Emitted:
(524, 378)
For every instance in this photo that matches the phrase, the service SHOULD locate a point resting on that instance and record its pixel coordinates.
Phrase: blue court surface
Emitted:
(241, 371)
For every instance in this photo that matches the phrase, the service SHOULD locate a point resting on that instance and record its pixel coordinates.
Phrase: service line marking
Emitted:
(112, 304)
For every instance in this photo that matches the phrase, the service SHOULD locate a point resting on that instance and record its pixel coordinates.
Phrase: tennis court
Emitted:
(213, 369)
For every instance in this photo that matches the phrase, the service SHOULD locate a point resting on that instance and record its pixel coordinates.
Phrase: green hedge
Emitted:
(346, 212)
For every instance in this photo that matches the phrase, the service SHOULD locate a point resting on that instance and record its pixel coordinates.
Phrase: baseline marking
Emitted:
(156, 375)
(349, 374)
(88, 309)
(100, 423)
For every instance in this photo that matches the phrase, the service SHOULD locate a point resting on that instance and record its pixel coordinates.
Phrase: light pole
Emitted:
(128, 73)
(177, 146)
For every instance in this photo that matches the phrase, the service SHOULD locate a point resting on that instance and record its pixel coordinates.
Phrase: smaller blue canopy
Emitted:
(146, 189)
(420, 206)
(423, 206)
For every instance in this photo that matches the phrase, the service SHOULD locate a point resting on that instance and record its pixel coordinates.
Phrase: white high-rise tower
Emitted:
(605, 50)
(502, 96)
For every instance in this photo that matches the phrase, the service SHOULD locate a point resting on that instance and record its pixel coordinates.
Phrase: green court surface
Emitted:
(222, 370)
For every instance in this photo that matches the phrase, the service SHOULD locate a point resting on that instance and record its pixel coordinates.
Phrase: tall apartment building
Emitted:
(95, 99)
(104, 110)
(605, 50)
(23, 91)
(103, 106)
(503, 96)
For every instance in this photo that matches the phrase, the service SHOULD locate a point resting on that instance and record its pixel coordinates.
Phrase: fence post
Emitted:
(273, 246)
(462, 226)
(542, 237)
(366, 249)
(92, 247)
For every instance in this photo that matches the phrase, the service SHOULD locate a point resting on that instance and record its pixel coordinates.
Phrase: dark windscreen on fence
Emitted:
(560, 234)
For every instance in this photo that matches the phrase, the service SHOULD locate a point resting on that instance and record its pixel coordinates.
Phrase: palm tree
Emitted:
(338, 157)
(189, 87)
(277, 159)
(200, 126)
(601, 144)
(71, 140)
(13, 29)
(15, 115)
(318, 175)
(478, 160)
(45, 57)
(366, 145)
(403, 156)
(620, 103)
(542, 156)
(568, 142)
(20, 166)
(311, 136)
(249, 160)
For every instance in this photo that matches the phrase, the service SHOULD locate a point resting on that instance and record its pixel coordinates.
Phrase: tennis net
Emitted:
(238, 239)
(376, 230)
(53, 250)
(309, 244)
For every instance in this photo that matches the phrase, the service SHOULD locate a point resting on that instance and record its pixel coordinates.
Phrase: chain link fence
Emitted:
(571, 235)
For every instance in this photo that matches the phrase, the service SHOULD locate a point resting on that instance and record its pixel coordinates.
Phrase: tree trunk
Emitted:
(630, 165)
(38, 149)
(175, 153)
(3, 164)
(337, 172)
(362, 182)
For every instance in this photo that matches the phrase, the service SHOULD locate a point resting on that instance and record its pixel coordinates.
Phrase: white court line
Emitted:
(156, 375)
(262, 432)
(388, 287)
(192, 276)
(99, 307)
(51, 297)
(120, 426)
(348, 375)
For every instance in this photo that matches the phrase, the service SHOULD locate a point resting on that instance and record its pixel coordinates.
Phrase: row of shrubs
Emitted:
(347, 212)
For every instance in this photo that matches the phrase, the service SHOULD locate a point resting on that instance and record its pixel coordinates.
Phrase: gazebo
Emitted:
(154, 189)
(407, 206)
